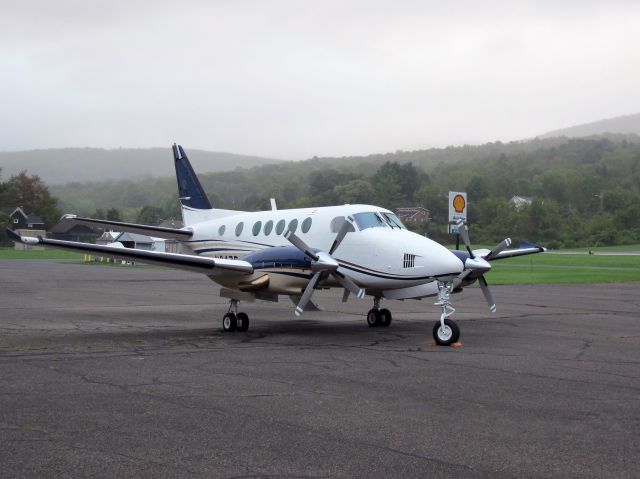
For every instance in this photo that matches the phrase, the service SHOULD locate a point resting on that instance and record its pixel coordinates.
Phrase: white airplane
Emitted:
(262, 255)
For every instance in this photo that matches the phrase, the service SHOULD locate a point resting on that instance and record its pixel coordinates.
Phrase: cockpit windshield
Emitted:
(393, 220)
(369, 220)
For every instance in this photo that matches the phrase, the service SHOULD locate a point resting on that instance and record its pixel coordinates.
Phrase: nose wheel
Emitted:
(233, 320)
(446, 334)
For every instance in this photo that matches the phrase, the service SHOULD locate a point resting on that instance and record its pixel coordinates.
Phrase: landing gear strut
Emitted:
(445, 331)
(378, 317)
(233, 320)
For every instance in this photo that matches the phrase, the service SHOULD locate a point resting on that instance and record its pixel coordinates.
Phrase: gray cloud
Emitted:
(295, 79)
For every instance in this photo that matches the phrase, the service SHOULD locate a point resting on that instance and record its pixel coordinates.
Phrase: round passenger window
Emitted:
(280, 227)
(239, 228)
(221, 231)
(268, 226)
(257, 226)
(306, 225)
(293, 225)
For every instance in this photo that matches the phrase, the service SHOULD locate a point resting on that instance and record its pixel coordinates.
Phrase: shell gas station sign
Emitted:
(457, 209)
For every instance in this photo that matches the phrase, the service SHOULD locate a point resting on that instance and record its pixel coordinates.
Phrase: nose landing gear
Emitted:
(446, 331)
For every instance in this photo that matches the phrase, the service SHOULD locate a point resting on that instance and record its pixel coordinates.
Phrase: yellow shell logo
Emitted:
(459, 203)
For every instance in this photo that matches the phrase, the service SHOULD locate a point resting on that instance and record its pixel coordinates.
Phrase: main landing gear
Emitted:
(445, 331)
(378, 317)
(233, 320)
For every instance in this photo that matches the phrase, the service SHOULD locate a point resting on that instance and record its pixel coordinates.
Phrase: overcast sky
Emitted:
(294, 79)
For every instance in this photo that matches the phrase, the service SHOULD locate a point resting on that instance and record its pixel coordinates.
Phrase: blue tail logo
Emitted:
(189, 187)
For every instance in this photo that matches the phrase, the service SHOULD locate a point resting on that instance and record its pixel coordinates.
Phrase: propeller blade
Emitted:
(487, 294)
(345, 295)
(348, 284)
(505, 243)
(464, 234)
(346, 227)
(308, 292)
(301, 245)
(460, 278)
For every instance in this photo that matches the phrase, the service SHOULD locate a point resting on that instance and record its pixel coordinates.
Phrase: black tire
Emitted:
(373, 318)
(229, 323)
(450, 335)
(385, 317)
(243, 322)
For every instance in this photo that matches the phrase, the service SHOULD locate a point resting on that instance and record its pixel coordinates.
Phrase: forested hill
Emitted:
(620, 125)
(59, 166)
(584, 191)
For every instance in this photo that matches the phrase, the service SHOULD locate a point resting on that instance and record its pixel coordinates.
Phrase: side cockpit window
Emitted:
(336, 224)
(393, 220)
(369, 220)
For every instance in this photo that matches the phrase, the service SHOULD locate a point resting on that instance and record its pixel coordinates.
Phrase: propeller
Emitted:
(324, 265)
(480, 264)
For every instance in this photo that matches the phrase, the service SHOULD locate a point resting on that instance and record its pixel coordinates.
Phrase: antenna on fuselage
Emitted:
(273, 204)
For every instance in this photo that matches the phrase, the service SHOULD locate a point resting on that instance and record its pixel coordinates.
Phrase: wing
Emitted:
(524, 249)
(198, 264)
(157, 231)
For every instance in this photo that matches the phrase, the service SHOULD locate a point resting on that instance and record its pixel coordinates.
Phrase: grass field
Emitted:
(547, 268)
(11, 253)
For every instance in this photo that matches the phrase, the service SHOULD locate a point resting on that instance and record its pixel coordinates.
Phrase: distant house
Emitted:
(413, 215)
(520, 201)
(19, 220)
(68, 231)
(107, 237)
(172, 245)
(133, 240)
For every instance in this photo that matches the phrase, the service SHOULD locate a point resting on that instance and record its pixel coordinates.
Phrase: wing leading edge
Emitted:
(524, 249)
(198, 264)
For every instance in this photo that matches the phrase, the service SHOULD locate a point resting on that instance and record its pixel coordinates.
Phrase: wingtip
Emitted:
(23, 239)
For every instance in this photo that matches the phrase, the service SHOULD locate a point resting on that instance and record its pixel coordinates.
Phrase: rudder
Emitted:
(189, 188)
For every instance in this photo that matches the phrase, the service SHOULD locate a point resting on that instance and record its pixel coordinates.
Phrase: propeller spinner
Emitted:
(480, 264)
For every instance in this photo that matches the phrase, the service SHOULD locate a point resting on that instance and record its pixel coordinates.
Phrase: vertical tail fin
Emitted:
(190, 190)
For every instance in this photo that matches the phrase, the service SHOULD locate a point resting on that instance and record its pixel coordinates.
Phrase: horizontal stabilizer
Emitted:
(199, 264)
(157, 231)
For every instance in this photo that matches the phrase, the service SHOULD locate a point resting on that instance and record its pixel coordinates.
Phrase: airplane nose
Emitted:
(442, 262)
(451, 263)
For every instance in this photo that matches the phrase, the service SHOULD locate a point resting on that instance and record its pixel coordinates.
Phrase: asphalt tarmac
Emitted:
(125, 372)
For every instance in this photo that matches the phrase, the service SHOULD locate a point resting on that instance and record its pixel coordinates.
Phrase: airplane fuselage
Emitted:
(380, 254)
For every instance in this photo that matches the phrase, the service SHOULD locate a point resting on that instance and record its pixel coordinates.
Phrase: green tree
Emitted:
(150, 215)
(4, 224)
(113, 215)
(354, 192)
(395, 185)
(30, 193)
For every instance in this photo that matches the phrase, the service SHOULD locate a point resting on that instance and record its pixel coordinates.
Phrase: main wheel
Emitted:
(385, 317)
(243, 322)
(373, 318)
(447, 335)
(229, 323)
